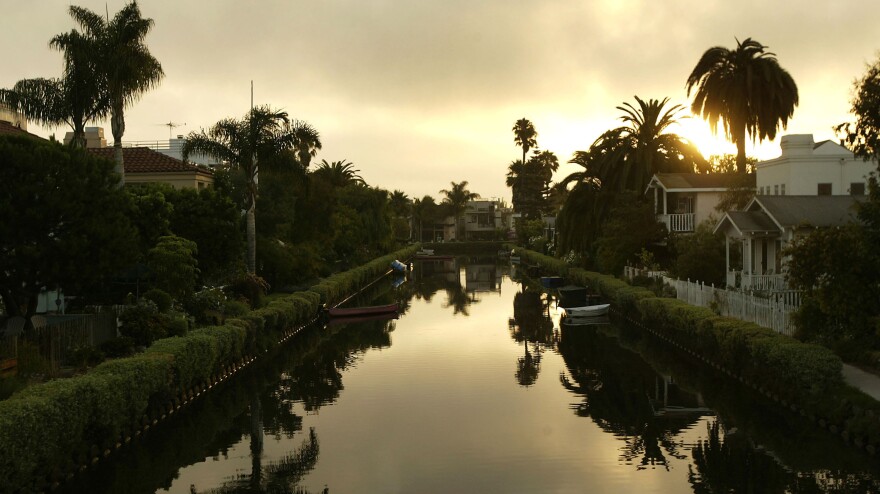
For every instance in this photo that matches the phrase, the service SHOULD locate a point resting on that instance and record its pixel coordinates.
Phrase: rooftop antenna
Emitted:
(171, 126)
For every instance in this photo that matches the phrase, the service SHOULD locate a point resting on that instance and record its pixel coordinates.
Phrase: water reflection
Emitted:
(616, 389)
(531, 325)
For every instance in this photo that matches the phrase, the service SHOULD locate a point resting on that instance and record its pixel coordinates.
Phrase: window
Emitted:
(775, 190)
(857, 189)
(782, 189)
(824, 189)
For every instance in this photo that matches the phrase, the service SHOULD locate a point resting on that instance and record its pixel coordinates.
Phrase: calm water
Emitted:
(477, 387)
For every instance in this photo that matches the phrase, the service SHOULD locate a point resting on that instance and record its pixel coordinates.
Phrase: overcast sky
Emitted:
(419, 93)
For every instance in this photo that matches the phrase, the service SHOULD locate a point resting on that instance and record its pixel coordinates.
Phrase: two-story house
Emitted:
(809, 186)
(684, 200)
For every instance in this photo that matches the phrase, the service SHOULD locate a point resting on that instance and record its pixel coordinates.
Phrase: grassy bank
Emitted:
(51, 430)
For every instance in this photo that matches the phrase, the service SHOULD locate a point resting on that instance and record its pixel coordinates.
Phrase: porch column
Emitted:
(726, 255)
(665, 210)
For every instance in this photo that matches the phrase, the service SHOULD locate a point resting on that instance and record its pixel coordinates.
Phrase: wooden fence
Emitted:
(61, 335)
(772, 310)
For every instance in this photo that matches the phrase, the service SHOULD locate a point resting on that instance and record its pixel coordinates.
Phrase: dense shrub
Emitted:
(159, 297)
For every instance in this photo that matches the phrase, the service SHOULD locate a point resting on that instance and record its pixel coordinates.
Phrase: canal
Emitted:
(479, 387)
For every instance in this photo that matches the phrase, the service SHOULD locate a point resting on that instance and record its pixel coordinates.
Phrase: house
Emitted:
(144, 165)
(812, 168)
(809, 186)
(684, 200)
(13, 123)
(756, 236)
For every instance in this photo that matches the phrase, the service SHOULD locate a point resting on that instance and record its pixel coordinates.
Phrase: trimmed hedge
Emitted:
(48, 430)
(805, 376)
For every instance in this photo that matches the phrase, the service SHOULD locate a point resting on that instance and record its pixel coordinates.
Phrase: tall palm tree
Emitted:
(424, 209)
(627, 157)
(127, 69)
(747, 89)
(260, 136)
(525, 136)
(339, 173)
(457, 197)
(75, 99)
(308, 142)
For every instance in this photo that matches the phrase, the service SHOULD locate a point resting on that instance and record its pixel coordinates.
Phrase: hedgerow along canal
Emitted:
(479, 387)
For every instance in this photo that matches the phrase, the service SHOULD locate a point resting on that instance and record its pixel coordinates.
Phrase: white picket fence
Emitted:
(772, 311)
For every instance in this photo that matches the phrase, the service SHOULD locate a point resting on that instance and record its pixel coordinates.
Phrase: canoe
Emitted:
(335, 321)
(587, 310)
(362, 311)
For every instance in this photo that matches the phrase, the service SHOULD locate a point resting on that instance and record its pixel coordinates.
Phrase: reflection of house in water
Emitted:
(482, 278)
(670, 400)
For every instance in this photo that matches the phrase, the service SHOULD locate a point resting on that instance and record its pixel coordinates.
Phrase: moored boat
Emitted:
(552, 281)
(585, 320)
(587, 310)
(362, 311)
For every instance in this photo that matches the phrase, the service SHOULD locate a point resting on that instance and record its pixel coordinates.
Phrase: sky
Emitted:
(421, 93)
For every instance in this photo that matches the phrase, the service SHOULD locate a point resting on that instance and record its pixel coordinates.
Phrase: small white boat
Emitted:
(587, 310)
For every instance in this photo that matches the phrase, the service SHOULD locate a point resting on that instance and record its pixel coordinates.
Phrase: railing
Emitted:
(683, 223)
(773, 311)
(759, 282)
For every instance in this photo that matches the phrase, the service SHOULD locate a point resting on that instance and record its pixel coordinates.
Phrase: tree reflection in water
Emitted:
(616, 389)
(531, 324)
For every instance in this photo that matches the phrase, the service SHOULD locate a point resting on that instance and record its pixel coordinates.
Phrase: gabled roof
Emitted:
(815, 211)
(145, 160)
(779, 213)
(7, 128)
(700, 182)
(748, 222)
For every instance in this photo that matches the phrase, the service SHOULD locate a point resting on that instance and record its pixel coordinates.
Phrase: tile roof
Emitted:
(145, 160)
(704, 180)
(7, 128)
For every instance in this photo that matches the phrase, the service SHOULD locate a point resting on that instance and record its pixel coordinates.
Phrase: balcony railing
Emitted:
(682, 223)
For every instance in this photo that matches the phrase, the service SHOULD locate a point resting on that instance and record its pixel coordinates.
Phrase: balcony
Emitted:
(678, 223)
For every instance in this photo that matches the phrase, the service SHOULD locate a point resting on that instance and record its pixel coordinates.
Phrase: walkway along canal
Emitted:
(478, 387)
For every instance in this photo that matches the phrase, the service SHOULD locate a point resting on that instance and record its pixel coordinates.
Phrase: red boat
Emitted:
(362, 311)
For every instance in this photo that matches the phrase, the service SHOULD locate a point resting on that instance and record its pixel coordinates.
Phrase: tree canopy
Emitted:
(64, 221)
(747, 89)
(863, 135)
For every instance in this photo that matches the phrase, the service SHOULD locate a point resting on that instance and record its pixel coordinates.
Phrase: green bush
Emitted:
(159, 297)
(122, 346)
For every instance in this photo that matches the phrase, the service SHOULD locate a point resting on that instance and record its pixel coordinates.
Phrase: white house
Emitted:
(809, 186)
(807, 168)
(756, 236)
(684, 200)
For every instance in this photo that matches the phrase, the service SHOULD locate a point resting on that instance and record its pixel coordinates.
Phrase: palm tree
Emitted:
(424, 209)
(400, 203)
(261, 135)
(457, 198)
(525, 136)
(308, 142)
(75, 99)
(530, 183)
(747, 89)
(339, 173)
(627, 157)
(126, 68)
